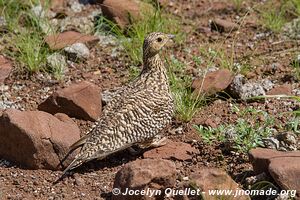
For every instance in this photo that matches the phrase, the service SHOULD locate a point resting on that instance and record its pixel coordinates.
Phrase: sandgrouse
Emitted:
(137, 112)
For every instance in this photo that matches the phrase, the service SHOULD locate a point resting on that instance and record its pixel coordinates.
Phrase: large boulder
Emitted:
(284, 167)
(81, 100)
(146, 174)
(36, 139)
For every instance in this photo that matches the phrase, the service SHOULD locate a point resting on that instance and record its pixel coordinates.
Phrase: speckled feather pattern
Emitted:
(136, 114)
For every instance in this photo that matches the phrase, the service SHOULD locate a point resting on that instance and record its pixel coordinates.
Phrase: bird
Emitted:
(137, 112)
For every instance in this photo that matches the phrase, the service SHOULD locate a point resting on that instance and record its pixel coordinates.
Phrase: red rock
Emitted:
(155, 174)
(213, 82)
(5, 68)
(261, 158)
(223, 25)
(285, 89)
(172, 150)
(57, 5)
(36, 139)
(215, 179)
(282, 166)
(123, 11)
(62, 40)
(286, 171)
(81, 100)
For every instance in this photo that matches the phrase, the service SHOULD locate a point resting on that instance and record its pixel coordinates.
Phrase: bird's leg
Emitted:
(157, 141)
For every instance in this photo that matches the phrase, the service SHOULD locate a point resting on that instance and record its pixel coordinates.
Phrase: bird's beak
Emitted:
(170, 36)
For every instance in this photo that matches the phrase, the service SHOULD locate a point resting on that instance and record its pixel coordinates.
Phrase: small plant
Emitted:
(30, 51)
(237, 4)
(210, 134)
(218, 57)
(273, 19)
(26, 32)
(247, 132)
(275, 15)
(186, 103)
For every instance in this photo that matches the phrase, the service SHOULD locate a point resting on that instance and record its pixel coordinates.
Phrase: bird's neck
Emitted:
(154, 72)
(153, 64)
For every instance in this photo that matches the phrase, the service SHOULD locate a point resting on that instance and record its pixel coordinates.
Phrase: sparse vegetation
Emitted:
(237, 4)
(274, 15)
(25, 36)
(273, 19)
(217, 57)
(247, 133)
(186, 103)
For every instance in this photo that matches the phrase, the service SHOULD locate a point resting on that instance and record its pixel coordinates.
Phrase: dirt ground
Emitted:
(94, 180)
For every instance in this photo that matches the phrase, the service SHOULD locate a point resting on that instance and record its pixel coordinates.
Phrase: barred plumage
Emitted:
(137, 112)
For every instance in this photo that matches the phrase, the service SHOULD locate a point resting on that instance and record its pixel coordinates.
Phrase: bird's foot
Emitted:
(159, 142)
(155, 142)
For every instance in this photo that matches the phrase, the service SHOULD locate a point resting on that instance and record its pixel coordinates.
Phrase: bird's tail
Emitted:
(75, 163)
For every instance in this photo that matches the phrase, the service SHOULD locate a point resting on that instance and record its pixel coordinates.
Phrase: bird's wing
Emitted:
(139, 117)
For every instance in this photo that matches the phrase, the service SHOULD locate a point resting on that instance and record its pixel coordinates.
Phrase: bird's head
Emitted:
(154, 42)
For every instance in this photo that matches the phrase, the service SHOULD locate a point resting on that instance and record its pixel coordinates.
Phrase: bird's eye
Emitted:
(159, 39)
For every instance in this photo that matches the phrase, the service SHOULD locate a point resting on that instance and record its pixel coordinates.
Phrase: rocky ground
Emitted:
(41, 115)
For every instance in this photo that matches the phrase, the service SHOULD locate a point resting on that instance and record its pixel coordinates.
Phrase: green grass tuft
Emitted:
(186, 103)
(273, 19)
(237, 4)
(25, 37)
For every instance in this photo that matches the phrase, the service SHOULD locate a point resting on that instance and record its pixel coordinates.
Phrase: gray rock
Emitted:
(285, 141)
(292, 29)
(240, 88)
(230, 136)
(95, 13)
(38, 11)
(267, 84)
(76, 7)
(271, 143)
(80, 24)
(288, 141)
(106, 40)
(78, 50)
